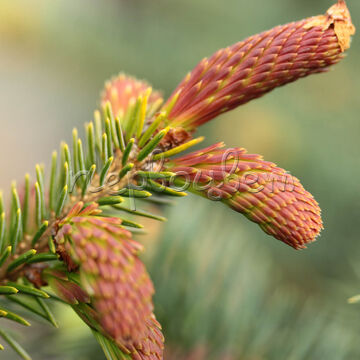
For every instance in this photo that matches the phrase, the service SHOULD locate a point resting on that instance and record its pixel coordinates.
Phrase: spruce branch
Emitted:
(56, 230)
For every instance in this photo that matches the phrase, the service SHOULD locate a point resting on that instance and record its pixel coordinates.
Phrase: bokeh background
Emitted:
(225, 290)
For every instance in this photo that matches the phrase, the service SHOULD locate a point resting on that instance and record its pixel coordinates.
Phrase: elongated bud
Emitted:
(123, 90)
(151, 346)
(112, 274)
(257, 65)
(264, 193)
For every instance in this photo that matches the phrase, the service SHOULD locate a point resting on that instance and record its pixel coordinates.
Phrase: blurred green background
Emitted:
(225, 290)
